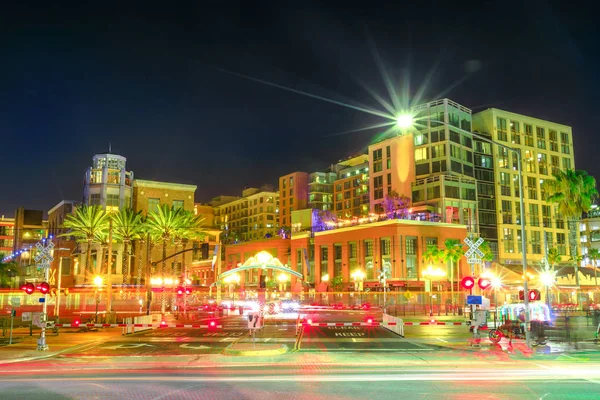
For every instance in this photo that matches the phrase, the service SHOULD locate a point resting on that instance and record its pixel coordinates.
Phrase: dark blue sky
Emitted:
(73, 79)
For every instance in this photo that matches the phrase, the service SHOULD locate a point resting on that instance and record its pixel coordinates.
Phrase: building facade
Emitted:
(107, 183)
(293, 195)
(351, 189)
(546, 147)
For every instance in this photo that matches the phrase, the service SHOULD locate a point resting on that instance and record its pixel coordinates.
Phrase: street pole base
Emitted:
(41, 345)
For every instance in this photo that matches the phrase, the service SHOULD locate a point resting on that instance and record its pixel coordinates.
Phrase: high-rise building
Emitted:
(107, 183)
(546, 147)
(432, 164)
(293, 195)
(253, 216)
(351, 189)
(483, 159)
(320, 190)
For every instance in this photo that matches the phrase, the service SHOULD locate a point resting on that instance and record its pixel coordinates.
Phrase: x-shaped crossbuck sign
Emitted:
(474, 248)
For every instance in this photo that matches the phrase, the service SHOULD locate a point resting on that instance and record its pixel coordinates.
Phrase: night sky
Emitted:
(151, 81)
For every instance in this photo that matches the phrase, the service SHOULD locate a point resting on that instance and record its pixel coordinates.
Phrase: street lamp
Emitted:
(98, 283)
(358, 276)
(548, 279)
(282, 278)
(496, 284)
(432, 273)
(406, 121)
(232, 280)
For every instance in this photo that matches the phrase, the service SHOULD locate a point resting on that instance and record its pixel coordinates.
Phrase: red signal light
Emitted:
(28, 288)
(180, 291)
(43, 287)
(484, 283)
(213, 324)
(188, 290)
(76, 322)
(467, 282)
(369, 321)
(534, 295)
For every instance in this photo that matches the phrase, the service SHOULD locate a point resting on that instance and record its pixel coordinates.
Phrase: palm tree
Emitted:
(452, 252)
(164, 223)
(87, 224)
(431, 255)
(594, 255)
(192, 228)
(127, 227)
(574, 192)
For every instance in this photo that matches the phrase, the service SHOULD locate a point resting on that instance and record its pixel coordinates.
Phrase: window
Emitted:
(534, 216)
(438, 151)
(454, 136)
(153, 204)
(554, 162)
(515, 132)
(505, 183)
(564, 145)
(112, 200)
(420, 138)
(529, 161)
(546, 216)
(378, 187)
(543, 163)
(337, 260)
(528, 135)
(385, 247)
(377, 160)
(509, 244)
(566, 163)
(503, 160)
(95, 199)
(411, 257)
(421, 154)
(352, 250)
(177, 204)
(368, 248)
(501, 126)
(388, 152)
(532, 187)
(541, 138)
(452, 192)
(506, 212)
(536, 242)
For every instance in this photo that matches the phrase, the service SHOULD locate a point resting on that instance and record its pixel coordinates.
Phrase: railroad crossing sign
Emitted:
(474, 255)
(44, 256)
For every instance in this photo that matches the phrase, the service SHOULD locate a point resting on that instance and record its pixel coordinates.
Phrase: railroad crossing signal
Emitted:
(474, 255)
(44, 256)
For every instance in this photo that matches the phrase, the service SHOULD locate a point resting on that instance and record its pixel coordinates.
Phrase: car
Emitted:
(289, 305)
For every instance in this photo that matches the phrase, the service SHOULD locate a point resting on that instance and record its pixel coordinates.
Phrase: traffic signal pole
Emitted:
(42, 340)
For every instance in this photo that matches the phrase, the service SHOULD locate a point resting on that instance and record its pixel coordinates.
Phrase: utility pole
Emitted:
(109, 270)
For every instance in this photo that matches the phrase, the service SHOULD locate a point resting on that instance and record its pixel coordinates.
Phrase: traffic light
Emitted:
(28, 288)
(180, 291)
(534, 295)
(521, 295)
(484, 283)
(263, 282)
(467, 282)
(188, 290)
(204, 249)
(43, 287)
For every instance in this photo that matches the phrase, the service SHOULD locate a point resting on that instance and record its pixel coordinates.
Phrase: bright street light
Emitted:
(98, 281)
(404, 121)
(325, 278)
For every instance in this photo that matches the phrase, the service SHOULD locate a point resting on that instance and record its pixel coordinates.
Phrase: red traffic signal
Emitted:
(28, 288)
(484, 283)
(534, 295)
(180, 291)
(467, 282)
(43, 287)
(188, 290)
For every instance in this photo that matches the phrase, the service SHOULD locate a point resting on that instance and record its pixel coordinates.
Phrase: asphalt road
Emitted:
(316, 383)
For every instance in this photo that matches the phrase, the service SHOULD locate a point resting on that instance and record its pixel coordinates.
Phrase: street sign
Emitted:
(42, 300)
(44, 256)
(408, 294)
(474, 300)
(254, 321)
(26, 316)
(474, 254)
(37, 319)
(15, 301)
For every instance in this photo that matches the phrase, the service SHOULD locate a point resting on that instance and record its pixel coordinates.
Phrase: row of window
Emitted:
(535, 243)
(528, 140)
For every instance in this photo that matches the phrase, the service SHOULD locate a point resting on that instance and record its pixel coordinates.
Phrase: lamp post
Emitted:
(358, 277)
(548, 278)
(325, 279)
(282, 278)
(406, 121)
(496, 284)
(431, 273)
(98, 283)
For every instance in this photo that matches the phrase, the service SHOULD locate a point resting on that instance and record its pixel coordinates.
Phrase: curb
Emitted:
(271, 352)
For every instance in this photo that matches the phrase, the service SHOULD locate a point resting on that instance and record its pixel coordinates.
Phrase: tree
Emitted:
(87, 224)
(594, 255)
(432, 255)
(325, 220)
(337, 282)
(8, 270)
(574, 192)
(192, 228)
(284, 232)
(452, 252)
(127, 227)
(396, 205)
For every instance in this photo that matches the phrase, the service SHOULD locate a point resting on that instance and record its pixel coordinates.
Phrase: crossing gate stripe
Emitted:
(375, 323)
(134, 325)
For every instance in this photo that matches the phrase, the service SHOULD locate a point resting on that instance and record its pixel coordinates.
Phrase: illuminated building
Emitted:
(546, 147)
(107, 183)
(351, 189)
(293, 195)
(7, 235)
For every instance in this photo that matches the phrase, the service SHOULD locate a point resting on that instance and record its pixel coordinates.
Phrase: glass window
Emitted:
(177, 204)
(153, 204)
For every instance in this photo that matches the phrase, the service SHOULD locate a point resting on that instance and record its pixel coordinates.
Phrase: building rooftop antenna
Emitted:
(109, 147)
